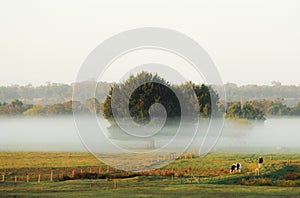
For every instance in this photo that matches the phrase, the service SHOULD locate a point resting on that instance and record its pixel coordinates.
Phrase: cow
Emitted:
(260, 161)
(233, 168)
(236, 167)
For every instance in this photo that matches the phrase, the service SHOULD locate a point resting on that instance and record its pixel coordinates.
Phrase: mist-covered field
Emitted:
(60, 134)
(38, 146)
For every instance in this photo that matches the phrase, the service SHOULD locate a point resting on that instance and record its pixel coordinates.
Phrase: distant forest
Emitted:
(249, 101)
(53, 93)
(288, 94)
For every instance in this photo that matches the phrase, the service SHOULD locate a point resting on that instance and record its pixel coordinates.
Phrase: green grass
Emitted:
(277, 179)
(80, 188)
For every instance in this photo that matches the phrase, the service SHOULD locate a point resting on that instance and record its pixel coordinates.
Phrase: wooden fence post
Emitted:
(27, 178)
(51, 175)
(115, 183)
(73, 173)
(16, 179)
(39, 178)
(3, 177)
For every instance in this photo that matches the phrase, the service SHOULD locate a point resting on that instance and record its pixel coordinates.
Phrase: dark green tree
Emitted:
(149, 89)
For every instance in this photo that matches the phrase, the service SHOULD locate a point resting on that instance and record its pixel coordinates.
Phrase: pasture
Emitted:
(81, 174)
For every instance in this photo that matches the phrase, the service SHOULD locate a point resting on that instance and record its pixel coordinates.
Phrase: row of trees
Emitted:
(17, 107)
(255, 109)
(53, 93)
(144, 90)
(290, 93)
(277, 108)
(155, 90)
(258, 109)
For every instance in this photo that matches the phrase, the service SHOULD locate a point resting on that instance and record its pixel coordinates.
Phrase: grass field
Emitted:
(278, 178)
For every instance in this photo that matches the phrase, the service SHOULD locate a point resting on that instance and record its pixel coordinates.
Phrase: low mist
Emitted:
(60, 134)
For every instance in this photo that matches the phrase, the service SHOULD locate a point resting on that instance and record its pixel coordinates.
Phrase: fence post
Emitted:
(27, 178)
(16, 179)
(3, 177)
(51, 175)
(39, 178)
(115, 183)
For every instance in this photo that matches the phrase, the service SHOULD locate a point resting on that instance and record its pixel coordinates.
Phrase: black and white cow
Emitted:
(236, 167)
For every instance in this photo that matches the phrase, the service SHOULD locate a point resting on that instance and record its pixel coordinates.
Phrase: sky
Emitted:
(250, 41)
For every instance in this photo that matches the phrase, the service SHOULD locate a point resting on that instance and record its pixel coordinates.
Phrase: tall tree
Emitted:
(151, 88)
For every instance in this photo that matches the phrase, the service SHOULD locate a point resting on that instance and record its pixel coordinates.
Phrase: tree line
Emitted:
(155, 90)
(17, 107)
(254, 109)
(259, 109)
(289, 93)
(54, 93)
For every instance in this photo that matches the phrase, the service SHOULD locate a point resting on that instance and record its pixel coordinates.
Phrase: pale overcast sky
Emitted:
(250, 41)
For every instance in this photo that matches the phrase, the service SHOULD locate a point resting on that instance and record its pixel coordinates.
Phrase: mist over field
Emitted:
(60, 134)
